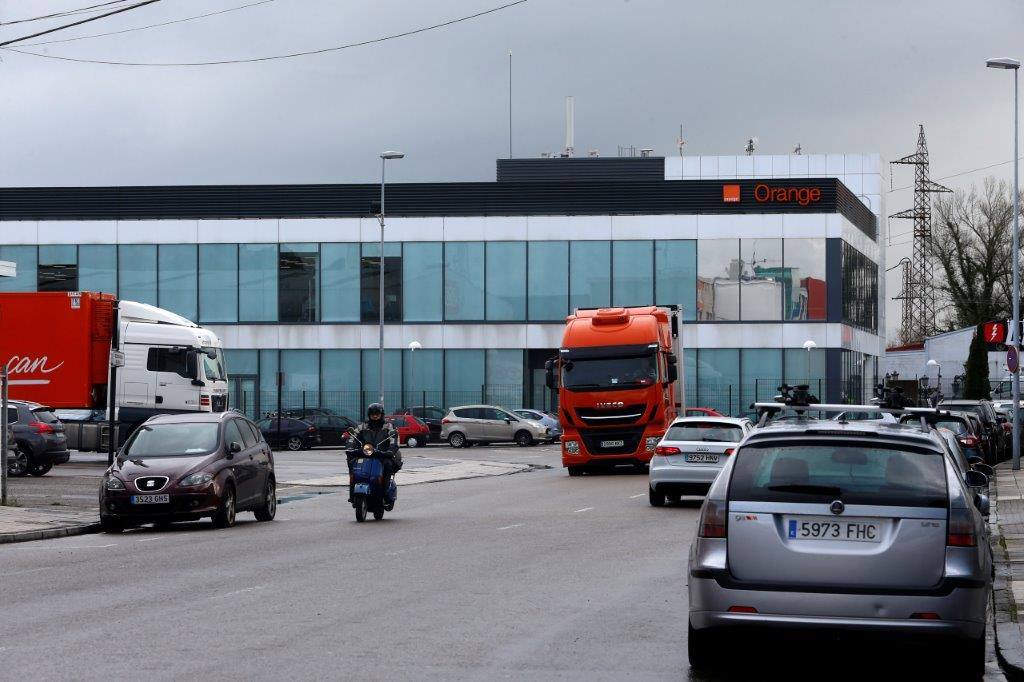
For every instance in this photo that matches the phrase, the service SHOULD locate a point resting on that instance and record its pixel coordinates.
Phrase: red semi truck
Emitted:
(59, 348)
(619, 385)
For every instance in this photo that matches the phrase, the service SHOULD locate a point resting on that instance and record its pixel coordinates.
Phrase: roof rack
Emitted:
(767, 410)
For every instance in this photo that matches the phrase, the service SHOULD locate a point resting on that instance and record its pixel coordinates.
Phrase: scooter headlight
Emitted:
(367, 449)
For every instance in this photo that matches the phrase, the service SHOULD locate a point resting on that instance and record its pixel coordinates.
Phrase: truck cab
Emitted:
(617, 376)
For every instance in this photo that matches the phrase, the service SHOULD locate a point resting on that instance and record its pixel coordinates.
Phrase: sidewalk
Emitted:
(19, 524)
(1006, 522)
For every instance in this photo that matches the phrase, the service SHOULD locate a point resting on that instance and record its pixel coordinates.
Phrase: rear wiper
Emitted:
(806, 488)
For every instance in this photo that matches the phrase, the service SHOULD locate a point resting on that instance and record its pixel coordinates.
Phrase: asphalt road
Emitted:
(533, 575)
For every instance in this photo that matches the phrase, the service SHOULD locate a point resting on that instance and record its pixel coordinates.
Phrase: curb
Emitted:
(47, 533)
(1008, 640)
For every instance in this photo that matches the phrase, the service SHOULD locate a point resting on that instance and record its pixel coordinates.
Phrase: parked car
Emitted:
(412, 432)
(290, 433)
(469, 424)
(965, 425)
(184, 467)
(546, 418)
(830, 526)
(82, 428)
(702, 412)
(691, 454)
(430, 415)
(333, 429)
(998, 447)
(39, 437)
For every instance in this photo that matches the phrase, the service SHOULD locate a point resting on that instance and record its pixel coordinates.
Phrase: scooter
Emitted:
(368, 494)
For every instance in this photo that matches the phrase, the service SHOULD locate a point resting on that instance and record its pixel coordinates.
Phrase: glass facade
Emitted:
(178, 279)
(504, 281)
(860, 289)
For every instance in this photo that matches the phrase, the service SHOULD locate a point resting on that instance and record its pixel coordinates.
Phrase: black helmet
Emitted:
(375, 410)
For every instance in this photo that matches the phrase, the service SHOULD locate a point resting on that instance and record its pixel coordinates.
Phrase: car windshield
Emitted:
(169, 440)
(214, 367)
(825, 471)
(708, 432)
(610, 372)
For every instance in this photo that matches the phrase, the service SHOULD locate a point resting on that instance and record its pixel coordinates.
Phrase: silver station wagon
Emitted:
(832, 526)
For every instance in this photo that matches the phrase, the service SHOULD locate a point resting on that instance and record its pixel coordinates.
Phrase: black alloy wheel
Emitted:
(40, 469)
(225, 514)
(17, 463)
(268, 510)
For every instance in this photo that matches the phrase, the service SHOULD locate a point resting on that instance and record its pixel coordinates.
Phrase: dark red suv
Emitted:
(186, 467)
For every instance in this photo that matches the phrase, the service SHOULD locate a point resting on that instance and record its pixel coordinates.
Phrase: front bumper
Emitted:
(184, 506)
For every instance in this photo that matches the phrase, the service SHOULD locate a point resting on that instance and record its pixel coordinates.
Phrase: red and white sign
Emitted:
(994, 332)
(731, 194)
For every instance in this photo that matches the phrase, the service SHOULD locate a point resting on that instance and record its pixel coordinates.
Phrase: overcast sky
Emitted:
(835, 76)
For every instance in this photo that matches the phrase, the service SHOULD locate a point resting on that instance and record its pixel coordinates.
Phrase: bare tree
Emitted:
(972, 244)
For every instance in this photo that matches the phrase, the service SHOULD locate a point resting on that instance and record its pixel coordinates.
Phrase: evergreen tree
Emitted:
(976, 382)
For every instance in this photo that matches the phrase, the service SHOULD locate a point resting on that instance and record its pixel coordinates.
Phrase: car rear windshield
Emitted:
(45, 416)
(169, 440)
(826, 471)
(705, 431)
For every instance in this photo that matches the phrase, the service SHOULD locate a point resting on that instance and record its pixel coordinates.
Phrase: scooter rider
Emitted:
(381, 435)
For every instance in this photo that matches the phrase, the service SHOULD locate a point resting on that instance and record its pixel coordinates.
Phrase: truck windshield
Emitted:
(596, 373)
(214, 367)
(168, 440)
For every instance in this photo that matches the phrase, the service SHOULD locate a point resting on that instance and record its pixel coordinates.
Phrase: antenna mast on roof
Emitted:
(570, 124)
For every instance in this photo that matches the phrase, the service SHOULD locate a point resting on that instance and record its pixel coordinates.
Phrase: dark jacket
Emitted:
(365, 433)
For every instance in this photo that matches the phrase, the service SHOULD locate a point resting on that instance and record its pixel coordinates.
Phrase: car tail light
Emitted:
(971, 442)
(446, 421)
(925, 615)
(729, 451)
(713, 519)
(41, 427)
(204, 401)
(960, 528)
(311, 428)
(666, 450)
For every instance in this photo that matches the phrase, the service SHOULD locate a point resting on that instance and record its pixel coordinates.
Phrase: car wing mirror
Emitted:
(975, 479)
(234, 447)
(984, 468)
(982, 503)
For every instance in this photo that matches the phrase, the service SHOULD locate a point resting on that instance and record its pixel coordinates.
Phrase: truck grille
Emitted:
(630, 438)
(617, 416)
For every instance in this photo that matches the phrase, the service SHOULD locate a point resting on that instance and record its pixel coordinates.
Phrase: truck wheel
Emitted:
(40, 469)
(524, 439)
(657, 499)
(17, 464)
(575, 470)
(457, 440)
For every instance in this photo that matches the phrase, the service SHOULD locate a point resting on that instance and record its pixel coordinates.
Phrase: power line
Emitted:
(67, 13)
(143, 28)
(275, 57)
(957, 175)
(78, 23)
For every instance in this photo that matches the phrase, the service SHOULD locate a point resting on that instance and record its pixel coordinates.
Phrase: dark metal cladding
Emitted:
(626, 169)
(598, 197)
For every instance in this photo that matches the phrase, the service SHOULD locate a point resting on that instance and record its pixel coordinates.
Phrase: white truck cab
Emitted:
(171, 365)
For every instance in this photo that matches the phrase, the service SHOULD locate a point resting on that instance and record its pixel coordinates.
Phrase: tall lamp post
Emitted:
(938, 381)
(380, 340)
(809, 345)
(1005, 63)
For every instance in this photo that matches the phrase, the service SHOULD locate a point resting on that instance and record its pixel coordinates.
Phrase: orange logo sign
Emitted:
(731, 194)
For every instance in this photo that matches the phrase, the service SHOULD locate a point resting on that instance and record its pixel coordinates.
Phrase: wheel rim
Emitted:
(458, 440)
(18, 464)
(271, 498)
(523, 439)
(412, 442)
(294, 443)
(229, 508)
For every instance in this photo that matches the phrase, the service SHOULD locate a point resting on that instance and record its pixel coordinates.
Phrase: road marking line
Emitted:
(514, 525)
(633, 497)
(150, 539)
(63, 548)
(582, 510)
(237, 592)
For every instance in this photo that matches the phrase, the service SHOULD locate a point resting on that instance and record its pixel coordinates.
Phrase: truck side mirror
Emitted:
(549, 375)
(673, 373)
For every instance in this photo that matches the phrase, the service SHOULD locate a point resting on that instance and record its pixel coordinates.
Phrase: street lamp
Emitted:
(384, 157)
(809, 345)
(938, 379)
(1005, 63)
